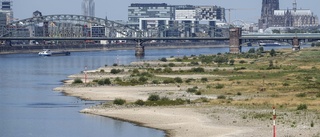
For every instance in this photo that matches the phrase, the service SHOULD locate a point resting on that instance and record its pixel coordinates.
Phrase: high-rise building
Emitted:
(6, 10)
(88, 8)
(149, 10)
(148, 16)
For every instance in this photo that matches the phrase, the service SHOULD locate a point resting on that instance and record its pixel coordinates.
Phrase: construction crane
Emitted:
(230, 9)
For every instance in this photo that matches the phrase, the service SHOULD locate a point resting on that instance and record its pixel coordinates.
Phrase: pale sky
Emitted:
(247, 10)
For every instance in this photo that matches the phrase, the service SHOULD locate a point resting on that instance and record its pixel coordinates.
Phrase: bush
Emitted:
(251, 50)
(135, 71)
(198, 93)
(155, 82)
(178, 80)
(77, 81)
(139, 102)
(286, 84)
(167, 70)
(115, 71)
(168, 81)
(231, 62)
(154, 97)
(302, 107)
(192, 90)
(318, 95)
(163, 59)
(190, 80)
(221, 97)
(219, 86)
(301, 95)
(165, 99)
(101, 82)
(199, 69)
(171, 64)
(107, 81)
(119, 101)
(134, 82)
(143, 79)
(242, 62)
(204, 80)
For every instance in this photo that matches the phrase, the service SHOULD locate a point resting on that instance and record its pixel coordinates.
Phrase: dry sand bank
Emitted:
(196, 120)
(177, 122)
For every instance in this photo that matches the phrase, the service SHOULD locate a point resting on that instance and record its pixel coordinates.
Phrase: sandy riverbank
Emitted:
(190, 120)
(177, 122)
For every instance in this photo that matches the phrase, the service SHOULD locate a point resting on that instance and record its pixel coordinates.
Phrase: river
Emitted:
(30, 108)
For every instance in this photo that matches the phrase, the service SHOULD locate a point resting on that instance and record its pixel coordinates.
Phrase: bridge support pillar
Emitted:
(295, 44)
(234, 41)
(139, 49)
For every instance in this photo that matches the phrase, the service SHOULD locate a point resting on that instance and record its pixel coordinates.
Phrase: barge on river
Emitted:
(48, 52)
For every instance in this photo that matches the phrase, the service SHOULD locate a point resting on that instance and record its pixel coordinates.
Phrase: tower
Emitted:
(88, 8)
(267, 12)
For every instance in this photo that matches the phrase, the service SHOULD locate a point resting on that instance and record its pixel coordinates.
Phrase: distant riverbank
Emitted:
(96, 47)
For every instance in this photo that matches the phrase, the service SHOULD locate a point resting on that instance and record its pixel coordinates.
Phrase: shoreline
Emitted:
(193, 125)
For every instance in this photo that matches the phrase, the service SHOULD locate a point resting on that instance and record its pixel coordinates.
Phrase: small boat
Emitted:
(48, 52)
(266, 44)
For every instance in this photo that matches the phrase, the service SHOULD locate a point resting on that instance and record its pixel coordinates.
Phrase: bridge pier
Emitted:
(295, 44)
(139, 49)
(234, 40)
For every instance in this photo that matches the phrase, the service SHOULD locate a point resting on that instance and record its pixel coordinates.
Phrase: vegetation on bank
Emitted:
(257, 78)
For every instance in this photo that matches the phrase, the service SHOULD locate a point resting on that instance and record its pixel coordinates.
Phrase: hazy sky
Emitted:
(248, 10)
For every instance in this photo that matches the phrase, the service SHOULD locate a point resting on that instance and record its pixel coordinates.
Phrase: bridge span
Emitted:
(77, 28)
(235, 40)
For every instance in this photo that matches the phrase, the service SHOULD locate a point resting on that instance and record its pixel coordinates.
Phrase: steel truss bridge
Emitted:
(80, 28)
(56, 26)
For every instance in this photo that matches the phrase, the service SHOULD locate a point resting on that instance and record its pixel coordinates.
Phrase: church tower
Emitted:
(267, 12)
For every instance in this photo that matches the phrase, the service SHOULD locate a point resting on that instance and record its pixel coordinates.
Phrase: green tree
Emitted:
(272, 53)
(260, 49)
(232, 62)
(206, 59)
(251, 50)
(221, 59)
(271, 64)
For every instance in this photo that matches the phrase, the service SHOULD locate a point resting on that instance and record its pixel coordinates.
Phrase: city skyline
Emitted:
(247, 10)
